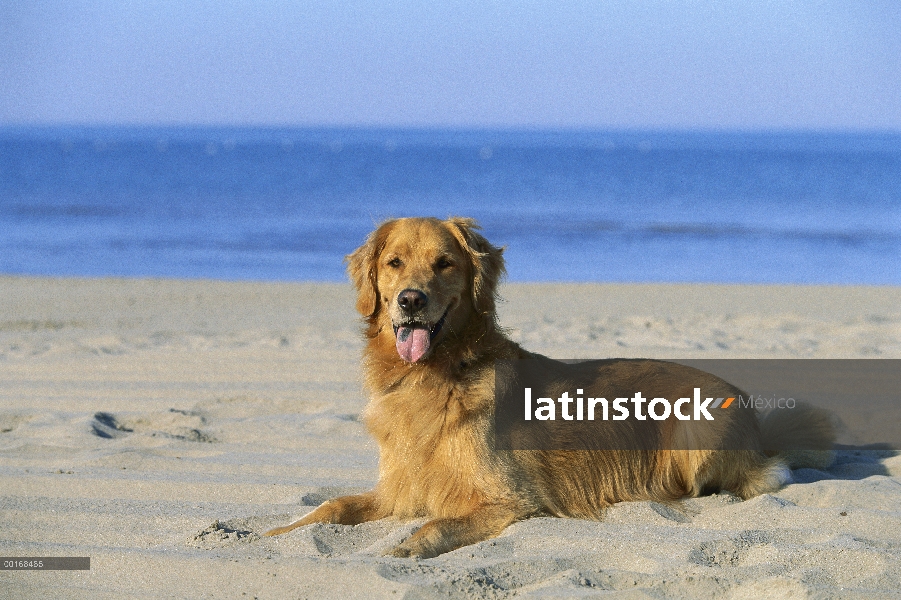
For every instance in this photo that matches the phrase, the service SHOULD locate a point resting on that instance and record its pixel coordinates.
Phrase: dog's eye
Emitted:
(443, 263)
(395, 262)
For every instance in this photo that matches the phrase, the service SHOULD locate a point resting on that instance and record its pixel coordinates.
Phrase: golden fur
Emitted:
(433, 413)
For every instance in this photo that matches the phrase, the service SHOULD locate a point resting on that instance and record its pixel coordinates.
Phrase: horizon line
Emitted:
(440, 128)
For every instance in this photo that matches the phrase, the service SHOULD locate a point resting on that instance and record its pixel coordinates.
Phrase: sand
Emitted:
(159, 427)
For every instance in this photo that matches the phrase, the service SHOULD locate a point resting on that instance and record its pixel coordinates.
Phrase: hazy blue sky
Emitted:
(737, 64)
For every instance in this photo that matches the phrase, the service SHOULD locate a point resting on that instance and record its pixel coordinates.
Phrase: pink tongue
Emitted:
(412, 343)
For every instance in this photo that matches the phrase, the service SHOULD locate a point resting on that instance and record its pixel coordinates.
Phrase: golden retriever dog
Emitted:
(427, 290)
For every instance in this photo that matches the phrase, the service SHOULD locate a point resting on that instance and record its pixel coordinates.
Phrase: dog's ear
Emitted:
(487, 262)
(362, 267)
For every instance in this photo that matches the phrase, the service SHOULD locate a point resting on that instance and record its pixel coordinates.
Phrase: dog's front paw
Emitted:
(399, 552)
(411, 549)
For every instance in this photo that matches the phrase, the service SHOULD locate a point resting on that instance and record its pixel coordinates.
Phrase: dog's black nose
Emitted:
(412, 301)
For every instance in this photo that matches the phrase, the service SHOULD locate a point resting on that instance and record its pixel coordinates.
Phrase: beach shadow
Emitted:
(852, 463)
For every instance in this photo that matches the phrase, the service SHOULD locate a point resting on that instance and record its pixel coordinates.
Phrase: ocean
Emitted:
(288, 204)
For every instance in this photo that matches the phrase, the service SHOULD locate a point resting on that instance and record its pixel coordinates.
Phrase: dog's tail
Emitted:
(802, 436)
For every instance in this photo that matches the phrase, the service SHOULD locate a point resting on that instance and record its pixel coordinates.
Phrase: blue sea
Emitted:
(289, 204)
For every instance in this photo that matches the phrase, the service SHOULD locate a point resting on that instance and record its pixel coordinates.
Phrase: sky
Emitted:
(534, 64)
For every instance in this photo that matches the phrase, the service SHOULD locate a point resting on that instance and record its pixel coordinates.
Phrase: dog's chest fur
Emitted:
(435, 443)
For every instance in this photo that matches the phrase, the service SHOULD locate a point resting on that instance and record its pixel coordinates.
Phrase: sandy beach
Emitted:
(160, 426)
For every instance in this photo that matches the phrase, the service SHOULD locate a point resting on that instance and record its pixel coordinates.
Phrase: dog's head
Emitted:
(425, 278)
